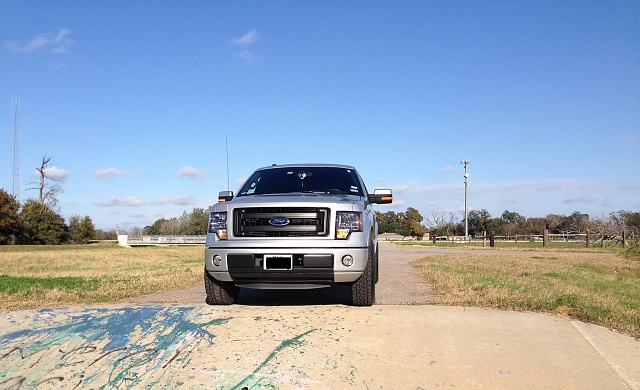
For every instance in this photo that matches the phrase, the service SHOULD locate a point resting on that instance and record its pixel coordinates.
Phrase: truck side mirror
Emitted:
(225, 196)
(381, 196)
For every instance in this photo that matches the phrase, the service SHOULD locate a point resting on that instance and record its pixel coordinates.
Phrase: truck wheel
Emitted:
(363, 291)
(219, 293)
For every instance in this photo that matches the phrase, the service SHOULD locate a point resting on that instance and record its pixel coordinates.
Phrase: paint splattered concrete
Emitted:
(307, 347)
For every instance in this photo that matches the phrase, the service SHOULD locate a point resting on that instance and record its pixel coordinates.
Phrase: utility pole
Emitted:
(16, 162)
(466, 212)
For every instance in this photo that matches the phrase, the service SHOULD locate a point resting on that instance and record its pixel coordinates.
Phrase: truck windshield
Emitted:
(325, 180)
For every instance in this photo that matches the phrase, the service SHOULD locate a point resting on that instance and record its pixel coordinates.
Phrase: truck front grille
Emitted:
(302, 222)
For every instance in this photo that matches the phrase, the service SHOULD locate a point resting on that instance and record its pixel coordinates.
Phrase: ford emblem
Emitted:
(279, 221)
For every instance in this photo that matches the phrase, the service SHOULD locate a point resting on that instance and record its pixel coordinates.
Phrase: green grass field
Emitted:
(43, 276)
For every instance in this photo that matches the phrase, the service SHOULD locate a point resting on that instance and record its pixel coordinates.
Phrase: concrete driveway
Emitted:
(311, 341)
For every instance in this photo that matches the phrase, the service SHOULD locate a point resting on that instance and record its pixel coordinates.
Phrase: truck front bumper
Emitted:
(285, 266)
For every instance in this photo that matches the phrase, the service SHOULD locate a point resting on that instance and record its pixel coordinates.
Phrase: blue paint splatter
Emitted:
(131, 337)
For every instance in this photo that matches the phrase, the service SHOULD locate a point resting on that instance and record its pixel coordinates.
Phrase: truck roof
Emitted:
(315, 165)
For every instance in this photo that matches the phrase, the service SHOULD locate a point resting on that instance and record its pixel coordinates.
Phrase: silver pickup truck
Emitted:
(294, 227)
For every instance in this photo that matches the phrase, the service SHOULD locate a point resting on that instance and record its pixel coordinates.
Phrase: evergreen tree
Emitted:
(9, 218)
(41, 225)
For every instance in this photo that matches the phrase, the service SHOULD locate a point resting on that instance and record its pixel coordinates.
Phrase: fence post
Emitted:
(624, 239)
(545, 238)
(588, 239)
(492, 239)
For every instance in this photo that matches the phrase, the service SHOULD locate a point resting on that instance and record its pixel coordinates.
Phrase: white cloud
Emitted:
(58, 65)
(191, 172)
(403, 188)
(181, 200)
(109, 173)
(245, 55)
(247, 39)
(448, 169)
(57, 42)
(579, 199)
(535, 186)
(115, 201)
(532, 198)
(398, 203)
(631, 138)
(56, 173)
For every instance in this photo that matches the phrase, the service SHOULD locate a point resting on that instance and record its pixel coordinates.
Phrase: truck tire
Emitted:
(377, 263)
(363, 291)
(219, 293)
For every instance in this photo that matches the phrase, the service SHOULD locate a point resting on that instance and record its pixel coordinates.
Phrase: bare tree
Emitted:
(440, 221)
(436, 219)
(47, 193)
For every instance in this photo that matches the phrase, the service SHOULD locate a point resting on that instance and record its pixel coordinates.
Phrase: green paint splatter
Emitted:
(295, 341)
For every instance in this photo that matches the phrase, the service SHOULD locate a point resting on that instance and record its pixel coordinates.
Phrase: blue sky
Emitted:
(134, 100)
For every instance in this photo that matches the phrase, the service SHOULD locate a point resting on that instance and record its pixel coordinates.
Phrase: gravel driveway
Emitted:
(399, 284)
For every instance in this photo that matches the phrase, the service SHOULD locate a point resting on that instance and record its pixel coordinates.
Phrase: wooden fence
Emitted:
(588, 239)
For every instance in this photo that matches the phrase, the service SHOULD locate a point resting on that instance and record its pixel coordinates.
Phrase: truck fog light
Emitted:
(217, 260)
(347, 260)
(342, 234)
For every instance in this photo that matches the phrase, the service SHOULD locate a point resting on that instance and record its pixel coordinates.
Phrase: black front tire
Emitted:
(363, 291)
(377, 263)
(219, 293)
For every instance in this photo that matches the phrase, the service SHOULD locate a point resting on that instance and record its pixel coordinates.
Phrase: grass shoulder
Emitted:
(603, 290)
(45, 276)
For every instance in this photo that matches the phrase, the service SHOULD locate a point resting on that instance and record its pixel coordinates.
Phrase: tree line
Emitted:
(510, 223)
(37, 223)
(193, 223)
(408, 223)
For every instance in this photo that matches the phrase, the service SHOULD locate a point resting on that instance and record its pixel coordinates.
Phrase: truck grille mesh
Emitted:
(303, 222)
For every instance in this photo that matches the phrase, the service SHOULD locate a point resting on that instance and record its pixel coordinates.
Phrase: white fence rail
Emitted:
(138, 240)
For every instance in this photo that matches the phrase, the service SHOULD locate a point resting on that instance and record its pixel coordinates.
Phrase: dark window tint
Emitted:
(328, 180)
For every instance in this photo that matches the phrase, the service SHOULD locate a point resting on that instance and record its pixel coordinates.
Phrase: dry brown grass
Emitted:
(100, 273)
(598, 288)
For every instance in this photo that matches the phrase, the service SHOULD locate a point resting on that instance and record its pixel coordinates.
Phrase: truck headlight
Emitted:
(218, 224)
(347, 222)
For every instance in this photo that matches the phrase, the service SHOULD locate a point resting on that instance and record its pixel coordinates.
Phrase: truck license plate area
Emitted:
(278, 262)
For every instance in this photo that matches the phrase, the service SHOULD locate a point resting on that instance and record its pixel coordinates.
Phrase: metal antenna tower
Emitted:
(16, 162)
(466, 212)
